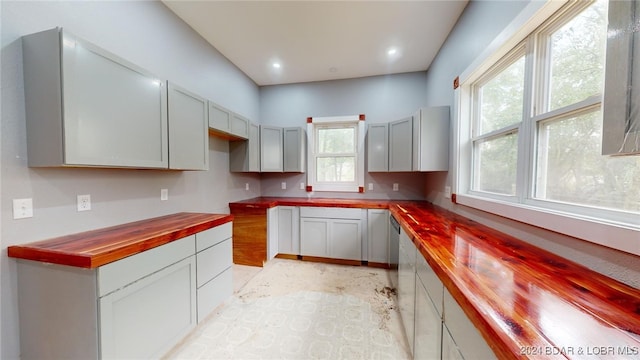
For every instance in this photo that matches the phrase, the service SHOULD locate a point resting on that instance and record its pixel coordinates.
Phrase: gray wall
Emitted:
(380, 98)
(145, 33)
(480, 23)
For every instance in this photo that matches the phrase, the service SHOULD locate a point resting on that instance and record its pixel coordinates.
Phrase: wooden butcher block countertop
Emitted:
(525, 301)
(95, 248)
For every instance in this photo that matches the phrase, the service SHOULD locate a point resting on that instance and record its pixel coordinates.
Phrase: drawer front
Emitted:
(213, 236)
(130, 269)
(431, 282)
(213, 261)
(214, 293)
(330, 212)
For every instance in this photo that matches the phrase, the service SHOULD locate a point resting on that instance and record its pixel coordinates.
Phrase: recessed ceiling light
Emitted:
(392, 51)
(276, 65)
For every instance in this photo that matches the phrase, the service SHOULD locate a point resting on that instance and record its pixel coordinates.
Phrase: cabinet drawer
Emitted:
(431, 282)
(466, 336)
(213, 261)
(214, 293)
(122, 272)
(213, 236)
(331, 213)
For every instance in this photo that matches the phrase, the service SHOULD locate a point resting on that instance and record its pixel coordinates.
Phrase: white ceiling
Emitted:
(322, 40)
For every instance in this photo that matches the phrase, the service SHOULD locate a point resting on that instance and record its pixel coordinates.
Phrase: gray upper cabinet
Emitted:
(431, 139)
(378, 147)
(244, 155)
(88, 107)
(188, 130)
(271, 147)
(239, 126)
(400, 144)
(295, 155)
(227, 124)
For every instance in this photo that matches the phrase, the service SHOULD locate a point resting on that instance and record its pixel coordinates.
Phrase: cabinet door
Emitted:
(295, 151)
(219, 118)
(378, 148)
(449, 348)
(407, 286)
(378, 235)
(400, 144)
(288, 230)
(345, 239)
(314, 233)
(145, 319)
(466, 336)
(115, 113)
(239, 126)
(428, 326)
(271, 158)
(431, 139)
(188, 130)
(244, 155)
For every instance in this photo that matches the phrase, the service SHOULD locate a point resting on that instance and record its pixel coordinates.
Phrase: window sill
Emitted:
(619, 236)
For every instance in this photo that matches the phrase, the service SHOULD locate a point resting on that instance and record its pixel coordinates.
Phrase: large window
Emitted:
(534, 118)
(335, 155)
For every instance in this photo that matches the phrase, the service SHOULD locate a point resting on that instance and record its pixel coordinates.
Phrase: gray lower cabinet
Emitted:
(378, 147)
(378, 236)
(137, 307)
(464, 334)
(188, 130)
(86, 107)
(331, 232)
(407, 286)
(271, 149)
(288, 230)
(428, 312)
(400, 144)
(244, 155)
(450, 350)
(214, 258)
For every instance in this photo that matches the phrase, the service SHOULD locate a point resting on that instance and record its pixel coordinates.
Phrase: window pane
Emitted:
(495, 165)
(336, 140)
(577, 57)
(336, 169)
(502, 99)
(570, 168)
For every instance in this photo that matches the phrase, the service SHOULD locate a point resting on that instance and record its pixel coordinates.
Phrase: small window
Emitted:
(335, 156)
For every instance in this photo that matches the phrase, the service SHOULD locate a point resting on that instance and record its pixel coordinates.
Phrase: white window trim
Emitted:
(358, 186)
(620, 236)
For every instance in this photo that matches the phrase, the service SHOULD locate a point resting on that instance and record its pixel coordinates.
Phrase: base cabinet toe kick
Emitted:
(138, 307)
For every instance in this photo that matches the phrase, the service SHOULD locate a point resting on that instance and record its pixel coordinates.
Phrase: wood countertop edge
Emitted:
(37, 251)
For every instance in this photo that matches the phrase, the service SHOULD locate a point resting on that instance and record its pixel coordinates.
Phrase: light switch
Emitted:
(370, 186)
(283, 185)
(164, 194)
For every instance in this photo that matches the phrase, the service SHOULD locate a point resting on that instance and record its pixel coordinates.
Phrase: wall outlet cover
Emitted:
(22, 208)
(84, 202)
(164, 194)
(447, 192)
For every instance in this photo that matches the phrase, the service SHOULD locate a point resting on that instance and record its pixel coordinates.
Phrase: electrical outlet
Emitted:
(395, 186)
(84, 202)
(164, 194)
(246, 186)
(302, 186)
(22, 208)
(370, 186)
(447, 192)
(283, 185)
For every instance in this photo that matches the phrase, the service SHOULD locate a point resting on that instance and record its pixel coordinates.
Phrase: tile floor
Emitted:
(302, 310)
